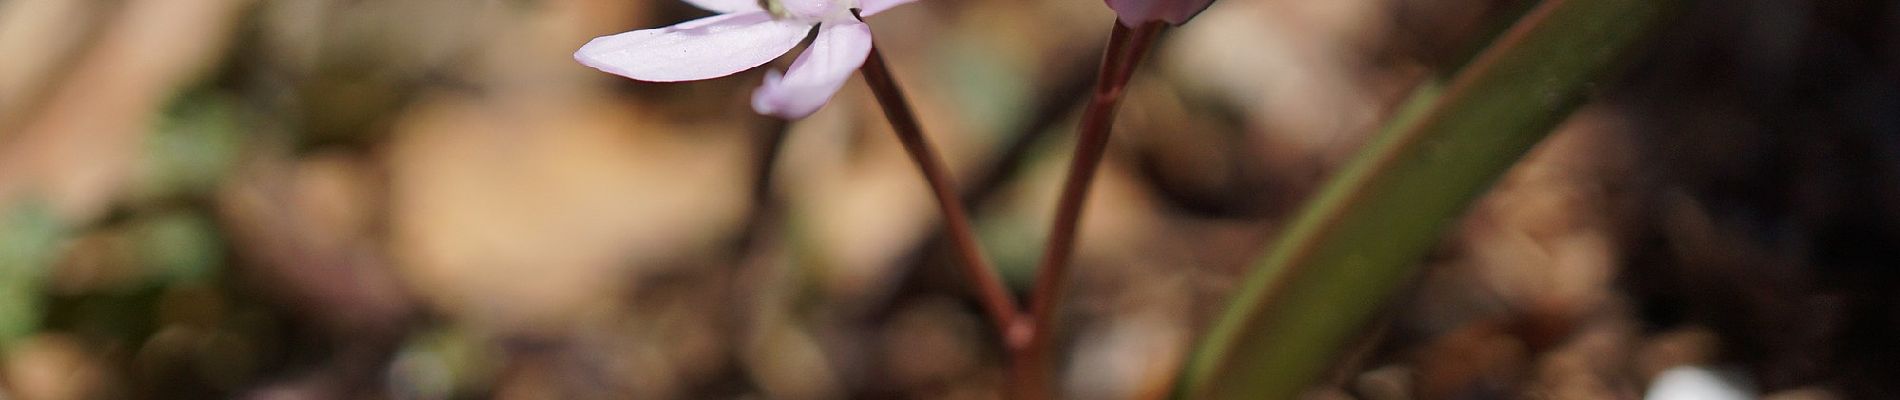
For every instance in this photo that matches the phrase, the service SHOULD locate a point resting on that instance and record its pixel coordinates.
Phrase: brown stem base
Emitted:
(1031, 364)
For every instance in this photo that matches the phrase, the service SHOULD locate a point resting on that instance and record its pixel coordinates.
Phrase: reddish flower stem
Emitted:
(1126, 48)
(983, 280)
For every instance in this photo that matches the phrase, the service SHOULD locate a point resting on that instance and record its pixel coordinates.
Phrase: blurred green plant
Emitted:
(1367, 229)
(178, 247)
(161, 237)
(29, 241)
(192, 146)
(441, 363)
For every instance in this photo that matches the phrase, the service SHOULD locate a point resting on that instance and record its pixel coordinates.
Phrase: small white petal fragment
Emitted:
(704, 48)
(1697, 383)
(837, 53)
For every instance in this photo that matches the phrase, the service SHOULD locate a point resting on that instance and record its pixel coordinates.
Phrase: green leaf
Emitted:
(1368, 228)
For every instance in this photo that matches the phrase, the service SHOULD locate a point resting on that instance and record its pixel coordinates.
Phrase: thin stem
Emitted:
(986, 285)
(1065, 90)
(1126, 48)
(753, 239)
(769, 143)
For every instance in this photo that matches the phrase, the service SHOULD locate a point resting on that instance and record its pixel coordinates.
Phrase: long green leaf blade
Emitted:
(1368, 228)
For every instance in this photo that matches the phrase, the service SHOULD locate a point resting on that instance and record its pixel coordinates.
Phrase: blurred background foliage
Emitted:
(428, 199)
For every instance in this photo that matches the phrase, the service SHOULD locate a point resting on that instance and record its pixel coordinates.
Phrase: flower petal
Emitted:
(809, 10)
(837, 52)
(726, 6)
(1175, 12)
(704, 48)
(872, 7)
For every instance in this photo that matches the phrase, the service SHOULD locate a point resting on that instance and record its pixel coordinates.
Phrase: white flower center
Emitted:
(812, 11)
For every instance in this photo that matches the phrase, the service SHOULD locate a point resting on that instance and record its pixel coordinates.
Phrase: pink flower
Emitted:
(747, 34)
(1175, 12)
